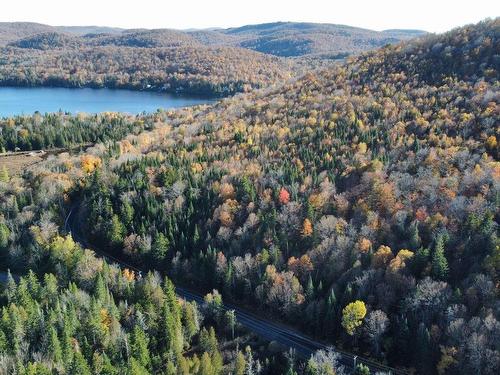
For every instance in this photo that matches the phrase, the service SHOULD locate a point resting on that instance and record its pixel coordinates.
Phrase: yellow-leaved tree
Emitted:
(352, 316)
(90, 163)
(307, 228)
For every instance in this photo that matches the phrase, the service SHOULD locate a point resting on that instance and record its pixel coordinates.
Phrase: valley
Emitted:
(330, 205)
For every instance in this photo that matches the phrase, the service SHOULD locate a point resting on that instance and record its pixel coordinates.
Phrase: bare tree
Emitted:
(376, 325)
(325, 362)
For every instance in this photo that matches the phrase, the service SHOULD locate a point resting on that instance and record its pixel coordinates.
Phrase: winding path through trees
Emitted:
(265, 328)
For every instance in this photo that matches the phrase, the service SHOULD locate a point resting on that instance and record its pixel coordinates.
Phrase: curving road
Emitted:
(268, 330)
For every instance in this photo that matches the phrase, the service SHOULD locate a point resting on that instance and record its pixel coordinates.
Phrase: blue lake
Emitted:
(19, 101)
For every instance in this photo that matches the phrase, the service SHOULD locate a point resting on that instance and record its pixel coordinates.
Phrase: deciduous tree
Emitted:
(352, 316)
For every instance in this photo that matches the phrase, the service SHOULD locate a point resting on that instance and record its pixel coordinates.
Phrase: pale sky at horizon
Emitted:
(429, 15)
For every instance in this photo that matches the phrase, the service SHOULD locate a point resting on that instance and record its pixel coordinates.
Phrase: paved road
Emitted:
(268, 330)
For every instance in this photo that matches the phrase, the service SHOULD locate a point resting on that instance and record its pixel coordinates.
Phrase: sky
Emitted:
(429, 15)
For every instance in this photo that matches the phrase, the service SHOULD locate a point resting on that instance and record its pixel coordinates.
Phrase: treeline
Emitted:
(207, 71)
(37, 132)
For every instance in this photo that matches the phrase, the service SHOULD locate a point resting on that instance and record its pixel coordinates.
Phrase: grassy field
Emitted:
(17, 164)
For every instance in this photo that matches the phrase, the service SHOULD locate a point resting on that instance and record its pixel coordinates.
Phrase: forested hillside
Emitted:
(280, 38)
(95, 318)
(300, 39)
(62, 61)
(205, 62)
(11, 31)
(144, 38)
(359, 202)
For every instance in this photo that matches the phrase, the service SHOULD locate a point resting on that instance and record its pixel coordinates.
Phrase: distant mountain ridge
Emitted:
(84, 30)
(291, 39)
(47, 40)
(285, 39)
(12, 31)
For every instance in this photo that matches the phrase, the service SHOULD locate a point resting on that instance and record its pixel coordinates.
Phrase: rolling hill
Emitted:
(144, 38)
(216, 62)
(12, 31)
(287, 39)
(47, 40)
(298, 39)
(208, 71)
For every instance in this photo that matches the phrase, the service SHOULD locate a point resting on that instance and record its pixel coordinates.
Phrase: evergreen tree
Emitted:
(250, 363)
(167, 330)
(11, 289)
(67, 348)
(190, 320)
(414, 236)
(4, 236)
(136, 368)
(402, 340)
(54, 347)
(102, 365)
(160, 248)
(100, 290)
(319, 289)
(217, 362)
(239, 364)
(231, 321)
(172, 301)
(310, 289)
(362, 369)
(139, 347)
(50, 289)
(291, 363)
(116, 231)
(208, 341)
(206, 367)
(332, 300)
(439, 261)
(127, 213)
(80, 365)
(423, 351)
(4, 343)
(420, 261)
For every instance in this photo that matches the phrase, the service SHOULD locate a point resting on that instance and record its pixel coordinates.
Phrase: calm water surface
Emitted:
(19, 101)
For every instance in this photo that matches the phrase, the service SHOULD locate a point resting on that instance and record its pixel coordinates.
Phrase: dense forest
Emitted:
(56, 60)
(95, 318)
(375, 182)
(37, 132)
(359, 202)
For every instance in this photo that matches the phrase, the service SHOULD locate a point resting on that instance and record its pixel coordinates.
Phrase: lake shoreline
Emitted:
(19, 101)
(92, 86)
